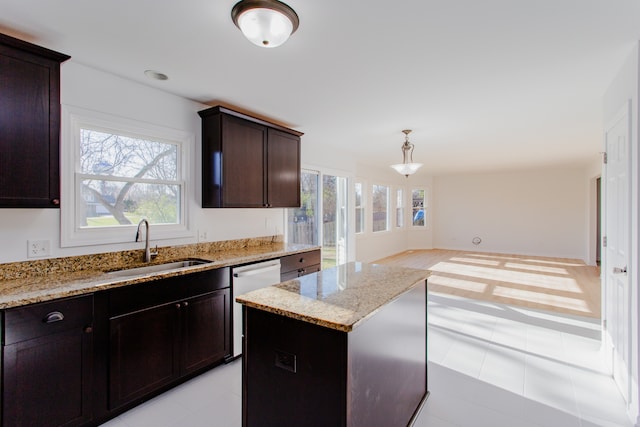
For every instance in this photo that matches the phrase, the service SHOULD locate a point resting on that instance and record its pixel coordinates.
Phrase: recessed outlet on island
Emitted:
(38, 248)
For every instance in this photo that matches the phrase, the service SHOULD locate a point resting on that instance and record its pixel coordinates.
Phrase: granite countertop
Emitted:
(338, 298)
(43, 280)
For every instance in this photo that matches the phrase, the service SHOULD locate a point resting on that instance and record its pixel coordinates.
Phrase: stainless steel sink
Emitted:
(158, 268)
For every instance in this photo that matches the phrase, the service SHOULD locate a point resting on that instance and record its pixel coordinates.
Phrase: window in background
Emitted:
(399, 208)
(419, 207)
(380, 202)
(302, 223)
(359, 207)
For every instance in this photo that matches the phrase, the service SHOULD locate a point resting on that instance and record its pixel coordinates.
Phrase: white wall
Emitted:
(91, 89)
(626, 87)
(532, 212)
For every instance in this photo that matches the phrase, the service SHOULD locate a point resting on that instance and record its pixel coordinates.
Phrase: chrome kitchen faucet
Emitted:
(148, 255)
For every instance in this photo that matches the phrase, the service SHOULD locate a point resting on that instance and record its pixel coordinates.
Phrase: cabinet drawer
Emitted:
(36, 320)
(297, 261)
(290, 275)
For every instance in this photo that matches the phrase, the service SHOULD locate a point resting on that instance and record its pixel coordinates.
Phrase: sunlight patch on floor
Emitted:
(576, 304)
(538, 268)
(450, 282)
(541, 280)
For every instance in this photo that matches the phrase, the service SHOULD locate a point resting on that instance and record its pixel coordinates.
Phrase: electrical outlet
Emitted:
(38, 248)
(202, 235)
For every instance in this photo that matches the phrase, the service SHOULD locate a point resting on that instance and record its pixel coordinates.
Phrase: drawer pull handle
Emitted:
(54, 316)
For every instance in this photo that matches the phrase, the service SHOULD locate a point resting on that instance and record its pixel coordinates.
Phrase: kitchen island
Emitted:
(346, 346)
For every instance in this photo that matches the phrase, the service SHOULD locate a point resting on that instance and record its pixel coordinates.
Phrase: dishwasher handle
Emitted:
(248, 273)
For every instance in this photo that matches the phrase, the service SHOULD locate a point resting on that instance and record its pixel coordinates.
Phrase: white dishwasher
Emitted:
(246, 279)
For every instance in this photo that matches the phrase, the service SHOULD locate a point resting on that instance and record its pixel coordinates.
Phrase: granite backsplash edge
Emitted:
(127, 258)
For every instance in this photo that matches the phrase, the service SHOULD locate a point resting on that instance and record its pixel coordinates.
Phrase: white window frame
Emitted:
(400, 208)
(74, 119)
(387, 222)
(362, 206)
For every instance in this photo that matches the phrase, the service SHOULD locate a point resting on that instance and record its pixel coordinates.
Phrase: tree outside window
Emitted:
(123, 179)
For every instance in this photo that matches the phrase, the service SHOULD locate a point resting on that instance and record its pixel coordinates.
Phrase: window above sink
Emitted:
(116, 172)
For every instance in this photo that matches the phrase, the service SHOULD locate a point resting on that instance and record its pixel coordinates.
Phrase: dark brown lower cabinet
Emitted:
(154, 347)
(143, 354)
(83, 360)
(205, 336)
(47, 364)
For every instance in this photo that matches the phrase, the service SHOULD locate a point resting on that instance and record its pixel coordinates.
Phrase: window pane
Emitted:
(302, 225)
(418, 214)
(399, 208)
(108, 203)
(359, 208)
(107, 200)
(334, 220)
(116, 155)
(380, 206)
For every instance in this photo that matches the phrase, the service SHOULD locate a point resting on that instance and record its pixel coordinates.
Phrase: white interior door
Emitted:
(617, 296)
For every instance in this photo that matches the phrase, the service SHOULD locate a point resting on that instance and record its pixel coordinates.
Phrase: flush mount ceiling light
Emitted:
(266, 23)
(407, 167)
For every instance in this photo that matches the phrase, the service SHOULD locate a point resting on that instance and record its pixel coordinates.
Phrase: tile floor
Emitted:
(489, 365)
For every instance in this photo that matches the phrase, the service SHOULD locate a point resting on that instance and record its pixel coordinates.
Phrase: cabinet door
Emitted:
(283, 160)
(205, 330)
(47, 380)
(243, 165)
(29, 125)
(143, 353)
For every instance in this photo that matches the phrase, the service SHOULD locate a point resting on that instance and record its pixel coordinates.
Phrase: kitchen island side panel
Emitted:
(297, 373)
(387, 363)
(294, 372)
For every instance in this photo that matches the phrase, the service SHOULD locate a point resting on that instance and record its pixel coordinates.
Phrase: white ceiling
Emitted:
(484, 85)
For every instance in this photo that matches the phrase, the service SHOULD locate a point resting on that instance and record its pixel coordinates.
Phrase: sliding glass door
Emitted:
(322, 216)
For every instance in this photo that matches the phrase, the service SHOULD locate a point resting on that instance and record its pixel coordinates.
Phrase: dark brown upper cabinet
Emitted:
(248, 162)
(29, 125)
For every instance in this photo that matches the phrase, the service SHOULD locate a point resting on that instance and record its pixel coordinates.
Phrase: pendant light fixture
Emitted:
(266, 23)
(407, 167)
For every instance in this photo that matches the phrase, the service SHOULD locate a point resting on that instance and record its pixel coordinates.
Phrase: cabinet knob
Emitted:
(55, 202)
(301, 260)
(185, 304)
(54, 316)
(88, 329)
(178, 305)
